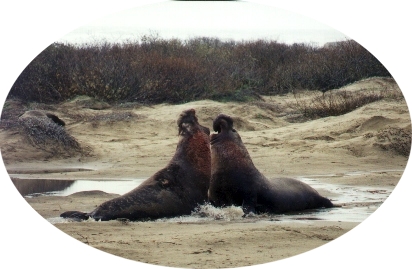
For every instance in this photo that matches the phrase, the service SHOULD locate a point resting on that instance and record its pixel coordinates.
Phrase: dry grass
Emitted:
(334, 103)
(395, 139)
(43, 133)
(268, 106)
(111, 117)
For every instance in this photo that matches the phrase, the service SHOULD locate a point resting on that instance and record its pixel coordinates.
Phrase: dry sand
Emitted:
(345, 151)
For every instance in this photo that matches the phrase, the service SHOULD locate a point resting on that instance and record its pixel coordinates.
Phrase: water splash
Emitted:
(208, 212)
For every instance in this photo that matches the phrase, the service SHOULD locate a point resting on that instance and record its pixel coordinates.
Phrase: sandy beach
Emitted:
(349, 159)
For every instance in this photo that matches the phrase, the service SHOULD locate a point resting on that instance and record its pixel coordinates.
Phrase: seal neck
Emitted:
(194, 149)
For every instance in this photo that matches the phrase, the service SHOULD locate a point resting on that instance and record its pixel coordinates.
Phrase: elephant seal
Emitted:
(236, 181)
(173, 191)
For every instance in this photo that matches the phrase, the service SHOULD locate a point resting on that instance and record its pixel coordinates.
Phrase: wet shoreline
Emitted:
(355, 203)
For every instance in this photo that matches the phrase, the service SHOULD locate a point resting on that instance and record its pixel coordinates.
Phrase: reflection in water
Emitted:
(358, 202)
(34, 186)
(117, 187)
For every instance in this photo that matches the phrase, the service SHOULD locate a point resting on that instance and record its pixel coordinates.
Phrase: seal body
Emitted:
(173, 191)
(236, 181)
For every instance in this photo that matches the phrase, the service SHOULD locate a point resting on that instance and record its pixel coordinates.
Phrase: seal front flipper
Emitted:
(75, 215)
(249, 205)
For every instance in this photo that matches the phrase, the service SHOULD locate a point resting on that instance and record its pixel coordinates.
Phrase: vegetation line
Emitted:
(154, 70)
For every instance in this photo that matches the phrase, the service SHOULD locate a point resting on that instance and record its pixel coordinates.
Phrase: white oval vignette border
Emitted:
(381, 27)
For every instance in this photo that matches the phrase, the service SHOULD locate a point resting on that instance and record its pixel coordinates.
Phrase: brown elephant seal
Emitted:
(173, 191)
(236, 181)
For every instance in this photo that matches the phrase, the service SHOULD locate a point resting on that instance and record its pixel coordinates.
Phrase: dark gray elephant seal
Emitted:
(236, 181)
(173, 191)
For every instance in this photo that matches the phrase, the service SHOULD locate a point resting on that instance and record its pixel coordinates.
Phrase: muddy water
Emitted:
(356, 202)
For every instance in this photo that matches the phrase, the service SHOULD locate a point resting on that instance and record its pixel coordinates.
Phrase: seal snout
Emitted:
(188, 122)
(187, 116)
(224, 122)
(186, 119)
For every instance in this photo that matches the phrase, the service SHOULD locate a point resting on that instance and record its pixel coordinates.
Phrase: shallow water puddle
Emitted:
(357, 202)
(49, 187)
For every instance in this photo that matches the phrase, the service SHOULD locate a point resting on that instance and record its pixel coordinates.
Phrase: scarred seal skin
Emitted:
(236, 181)
(173, 191)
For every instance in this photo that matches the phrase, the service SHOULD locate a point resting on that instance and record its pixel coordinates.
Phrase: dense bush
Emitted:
(155, 70)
